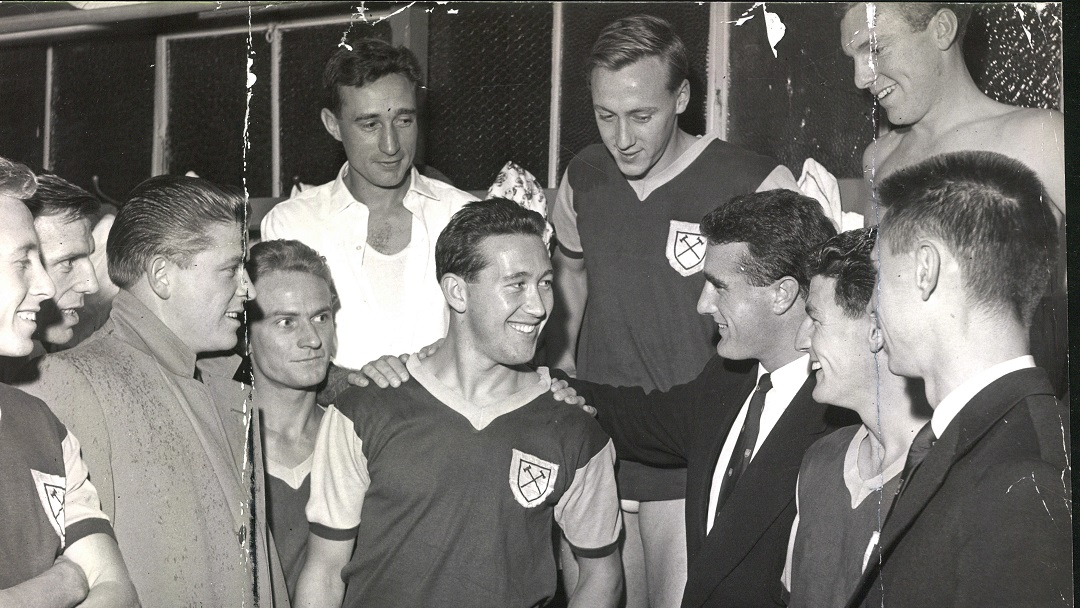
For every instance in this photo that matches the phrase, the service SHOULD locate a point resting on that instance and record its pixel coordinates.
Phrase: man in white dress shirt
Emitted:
(377, 223)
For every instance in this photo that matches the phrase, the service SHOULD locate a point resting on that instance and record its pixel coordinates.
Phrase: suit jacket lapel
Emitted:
(762, 494)
(720, 436)
(976, 418)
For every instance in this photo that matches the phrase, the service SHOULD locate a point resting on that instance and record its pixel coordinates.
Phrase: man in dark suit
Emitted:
(742, 426)
(983, 515)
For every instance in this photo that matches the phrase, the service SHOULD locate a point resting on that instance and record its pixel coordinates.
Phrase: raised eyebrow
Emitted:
(406, 112)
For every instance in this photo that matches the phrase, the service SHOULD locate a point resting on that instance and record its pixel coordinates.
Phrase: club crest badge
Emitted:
(51, 491)
(685, 247)
(531, 479)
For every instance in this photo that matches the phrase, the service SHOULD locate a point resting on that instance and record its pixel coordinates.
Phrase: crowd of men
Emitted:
(875, 417)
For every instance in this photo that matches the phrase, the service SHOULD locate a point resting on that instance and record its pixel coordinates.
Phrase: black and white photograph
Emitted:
(495, 304)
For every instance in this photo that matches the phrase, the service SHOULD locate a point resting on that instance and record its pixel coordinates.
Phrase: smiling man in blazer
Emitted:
(742, 426)
(983, 517)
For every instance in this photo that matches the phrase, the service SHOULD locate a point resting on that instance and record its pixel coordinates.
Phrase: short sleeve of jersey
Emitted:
(82, 508)
(588, 511)
(339, 478)
(564, 219)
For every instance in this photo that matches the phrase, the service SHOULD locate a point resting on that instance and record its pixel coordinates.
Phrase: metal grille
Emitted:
(582, 23)
(207, 78)
(489, 90)
(308, 153)
(103, 113)
(22, 112)
(1014, 53)
(803, 102)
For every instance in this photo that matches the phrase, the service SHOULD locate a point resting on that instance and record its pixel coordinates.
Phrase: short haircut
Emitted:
(16, 180)
(364, 62)
(57, 197)
(992, 214)
(282, 255)
(167, 215)
(919, 14)
(458, 249)
(846, 258)
(632, 39)
(781, 229)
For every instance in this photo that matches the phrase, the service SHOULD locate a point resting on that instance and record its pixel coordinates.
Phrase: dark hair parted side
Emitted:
(782, 229)
(16, 180)
(282, 255)
(631, 39)
(992, 214)
(168, 215)
(366, 61)
(57, 197)
(846, 258)
(458, 249)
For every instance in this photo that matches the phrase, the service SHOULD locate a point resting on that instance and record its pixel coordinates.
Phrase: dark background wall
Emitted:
(487, 98)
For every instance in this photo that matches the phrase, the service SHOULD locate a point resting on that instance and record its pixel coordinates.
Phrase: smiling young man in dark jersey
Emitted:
(447, 487)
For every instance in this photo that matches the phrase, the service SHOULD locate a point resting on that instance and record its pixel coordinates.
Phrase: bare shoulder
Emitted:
(1042, 120)
(884, 155)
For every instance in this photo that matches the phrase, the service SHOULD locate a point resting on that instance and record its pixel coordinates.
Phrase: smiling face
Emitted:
(205, 304)
(66, 246)
(901, 68)
(377, 127)
(510, 300)
(293, 340)
(839, 348)
(24, 284)
(743, 312)
(637, 115)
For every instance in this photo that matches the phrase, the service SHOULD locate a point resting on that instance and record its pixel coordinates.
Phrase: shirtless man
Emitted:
(910, 58)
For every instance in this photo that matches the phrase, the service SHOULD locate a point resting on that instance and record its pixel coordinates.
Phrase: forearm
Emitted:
(61, 586)
(106, 573)
(641, 425)
(600, 582)
(320, 584)
(568, 313)
(112, 594)
(319, 588)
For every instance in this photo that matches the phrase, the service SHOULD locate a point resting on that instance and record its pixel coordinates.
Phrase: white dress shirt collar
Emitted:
(341, 198)
(955, 401)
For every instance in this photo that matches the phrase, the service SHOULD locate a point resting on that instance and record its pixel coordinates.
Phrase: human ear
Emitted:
(944, 28)
(786, 293)
(455, 291)
(874, 337)
(682, 97)
(927, 268)
(158, 272)
(330, 121)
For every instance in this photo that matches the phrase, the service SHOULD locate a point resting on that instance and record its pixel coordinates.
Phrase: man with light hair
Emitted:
(909, 56)
(56, 546)
(165, 427)
(629, 260)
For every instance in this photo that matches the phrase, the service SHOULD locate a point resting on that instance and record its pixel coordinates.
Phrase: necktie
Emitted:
(920, 446)
(744, 447)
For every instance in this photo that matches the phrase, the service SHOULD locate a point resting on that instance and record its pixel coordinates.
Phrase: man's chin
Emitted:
(57, 335)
